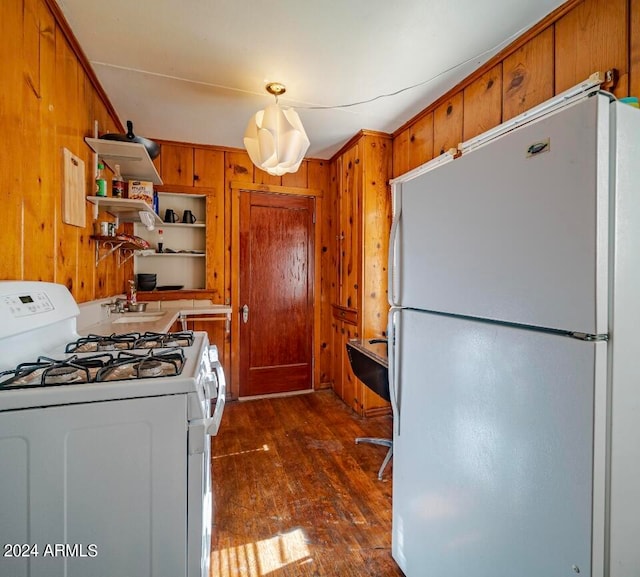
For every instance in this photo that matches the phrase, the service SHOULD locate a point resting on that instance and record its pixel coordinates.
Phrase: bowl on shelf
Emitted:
(146, 281)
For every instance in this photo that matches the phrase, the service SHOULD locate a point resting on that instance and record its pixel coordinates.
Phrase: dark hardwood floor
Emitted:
(295, 496)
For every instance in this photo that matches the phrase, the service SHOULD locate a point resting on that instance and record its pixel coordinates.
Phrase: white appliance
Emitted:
(514, 351)
(104, 443)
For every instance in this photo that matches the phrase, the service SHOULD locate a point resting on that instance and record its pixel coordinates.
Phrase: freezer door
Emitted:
(511, 234)
(493, 465)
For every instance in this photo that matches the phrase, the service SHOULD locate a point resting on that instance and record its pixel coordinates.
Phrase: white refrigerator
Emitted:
(515, 353)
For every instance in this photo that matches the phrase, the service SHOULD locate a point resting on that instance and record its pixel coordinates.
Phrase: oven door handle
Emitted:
(212, 424)
(199, 429)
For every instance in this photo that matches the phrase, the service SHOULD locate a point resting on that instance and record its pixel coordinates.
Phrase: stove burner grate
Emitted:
(153, 340)
(46, 371)
(129, 341)
(113, 342)
(140, 364)
(147, 355)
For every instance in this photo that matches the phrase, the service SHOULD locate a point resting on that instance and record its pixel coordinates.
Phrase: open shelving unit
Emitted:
(187, 241)
(135, 164)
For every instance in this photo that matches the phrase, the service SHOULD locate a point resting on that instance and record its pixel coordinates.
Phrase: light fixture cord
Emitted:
(335, 106)
(423, 82)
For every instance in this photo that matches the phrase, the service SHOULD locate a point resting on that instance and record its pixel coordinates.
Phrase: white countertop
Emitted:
(160, 316)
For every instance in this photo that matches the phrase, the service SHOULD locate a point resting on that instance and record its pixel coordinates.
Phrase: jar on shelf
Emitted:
(117, 183)
(101, 182)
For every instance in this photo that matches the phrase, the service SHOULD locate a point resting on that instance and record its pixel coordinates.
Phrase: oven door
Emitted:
(200, 498)
(199, 503)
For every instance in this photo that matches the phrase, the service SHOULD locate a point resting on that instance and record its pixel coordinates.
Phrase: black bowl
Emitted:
(146, 281)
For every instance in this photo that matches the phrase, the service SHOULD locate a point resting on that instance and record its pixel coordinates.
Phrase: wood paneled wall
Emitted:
(579, 38)
(48, 101)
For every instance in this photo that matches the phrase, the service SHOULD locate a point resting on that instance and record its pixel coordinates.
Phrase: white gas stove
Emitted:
(108, 439)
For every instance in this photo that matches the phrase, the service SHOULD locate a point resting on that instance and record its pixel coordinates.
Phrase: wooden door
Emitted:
(276, 286)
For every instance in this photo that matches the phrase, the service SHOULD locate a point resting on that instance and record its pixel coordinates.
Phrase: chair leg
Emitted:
(385, 462)
(382, 442)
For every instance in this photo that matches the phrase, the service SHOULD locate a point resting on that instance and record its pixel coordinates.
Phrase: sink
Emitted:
(137, 318)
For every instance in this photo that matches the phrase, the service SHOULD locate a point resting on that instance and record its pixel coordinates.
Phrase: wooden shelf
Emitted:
(112, 244)
(133, 158)
(182, 224)
(124, 209)
(182, 294)
(174, 254)
(184, 194)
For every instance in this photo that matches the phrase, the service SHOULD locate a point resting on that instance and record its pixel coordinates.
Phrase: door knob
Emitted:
(245, 314)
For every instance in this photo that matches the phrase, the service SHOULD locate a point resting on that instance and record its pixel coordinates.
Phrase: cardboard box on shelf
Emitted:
(141, 190)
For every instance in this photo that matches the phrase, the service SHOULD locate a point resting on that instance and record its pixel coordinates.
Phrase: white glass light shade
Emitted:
(275, 140)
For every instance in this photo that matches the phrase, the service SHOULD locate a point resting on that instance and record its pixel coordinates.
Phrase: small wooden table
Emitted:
(368, 358)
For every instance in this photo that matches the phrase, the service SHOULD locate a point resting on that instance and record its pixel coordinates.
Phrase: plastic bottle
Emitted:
(160, 240)
(101, 183)
(117, 184)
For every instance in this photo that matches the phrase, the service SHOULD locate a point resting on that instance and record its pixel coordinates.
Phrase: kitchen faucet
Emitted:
(116, 306)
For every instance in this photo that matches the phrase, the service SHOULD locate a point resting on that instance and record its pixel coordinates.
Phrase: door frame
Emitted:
(236, 189)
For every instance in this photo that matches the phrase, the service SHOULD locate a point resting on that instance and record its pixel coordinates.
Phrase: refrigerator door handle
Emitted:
(394, 323)
(393, 244)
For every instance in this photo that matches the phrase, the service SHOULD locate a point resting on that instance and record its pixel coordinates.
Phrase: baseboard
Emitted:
(377, 412)
(276, 395)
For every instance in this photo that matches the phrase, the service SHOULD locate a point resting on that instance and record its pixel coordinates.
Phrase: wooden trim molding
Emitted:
(275, 189)
(190, 294)
(185, 189)
(357, 136)
(219, 147)
(65, 28)
(235, 291)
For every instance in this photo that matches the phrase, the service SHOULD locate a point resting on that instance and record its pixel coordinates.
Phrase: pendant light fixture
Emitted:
(275, 138)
